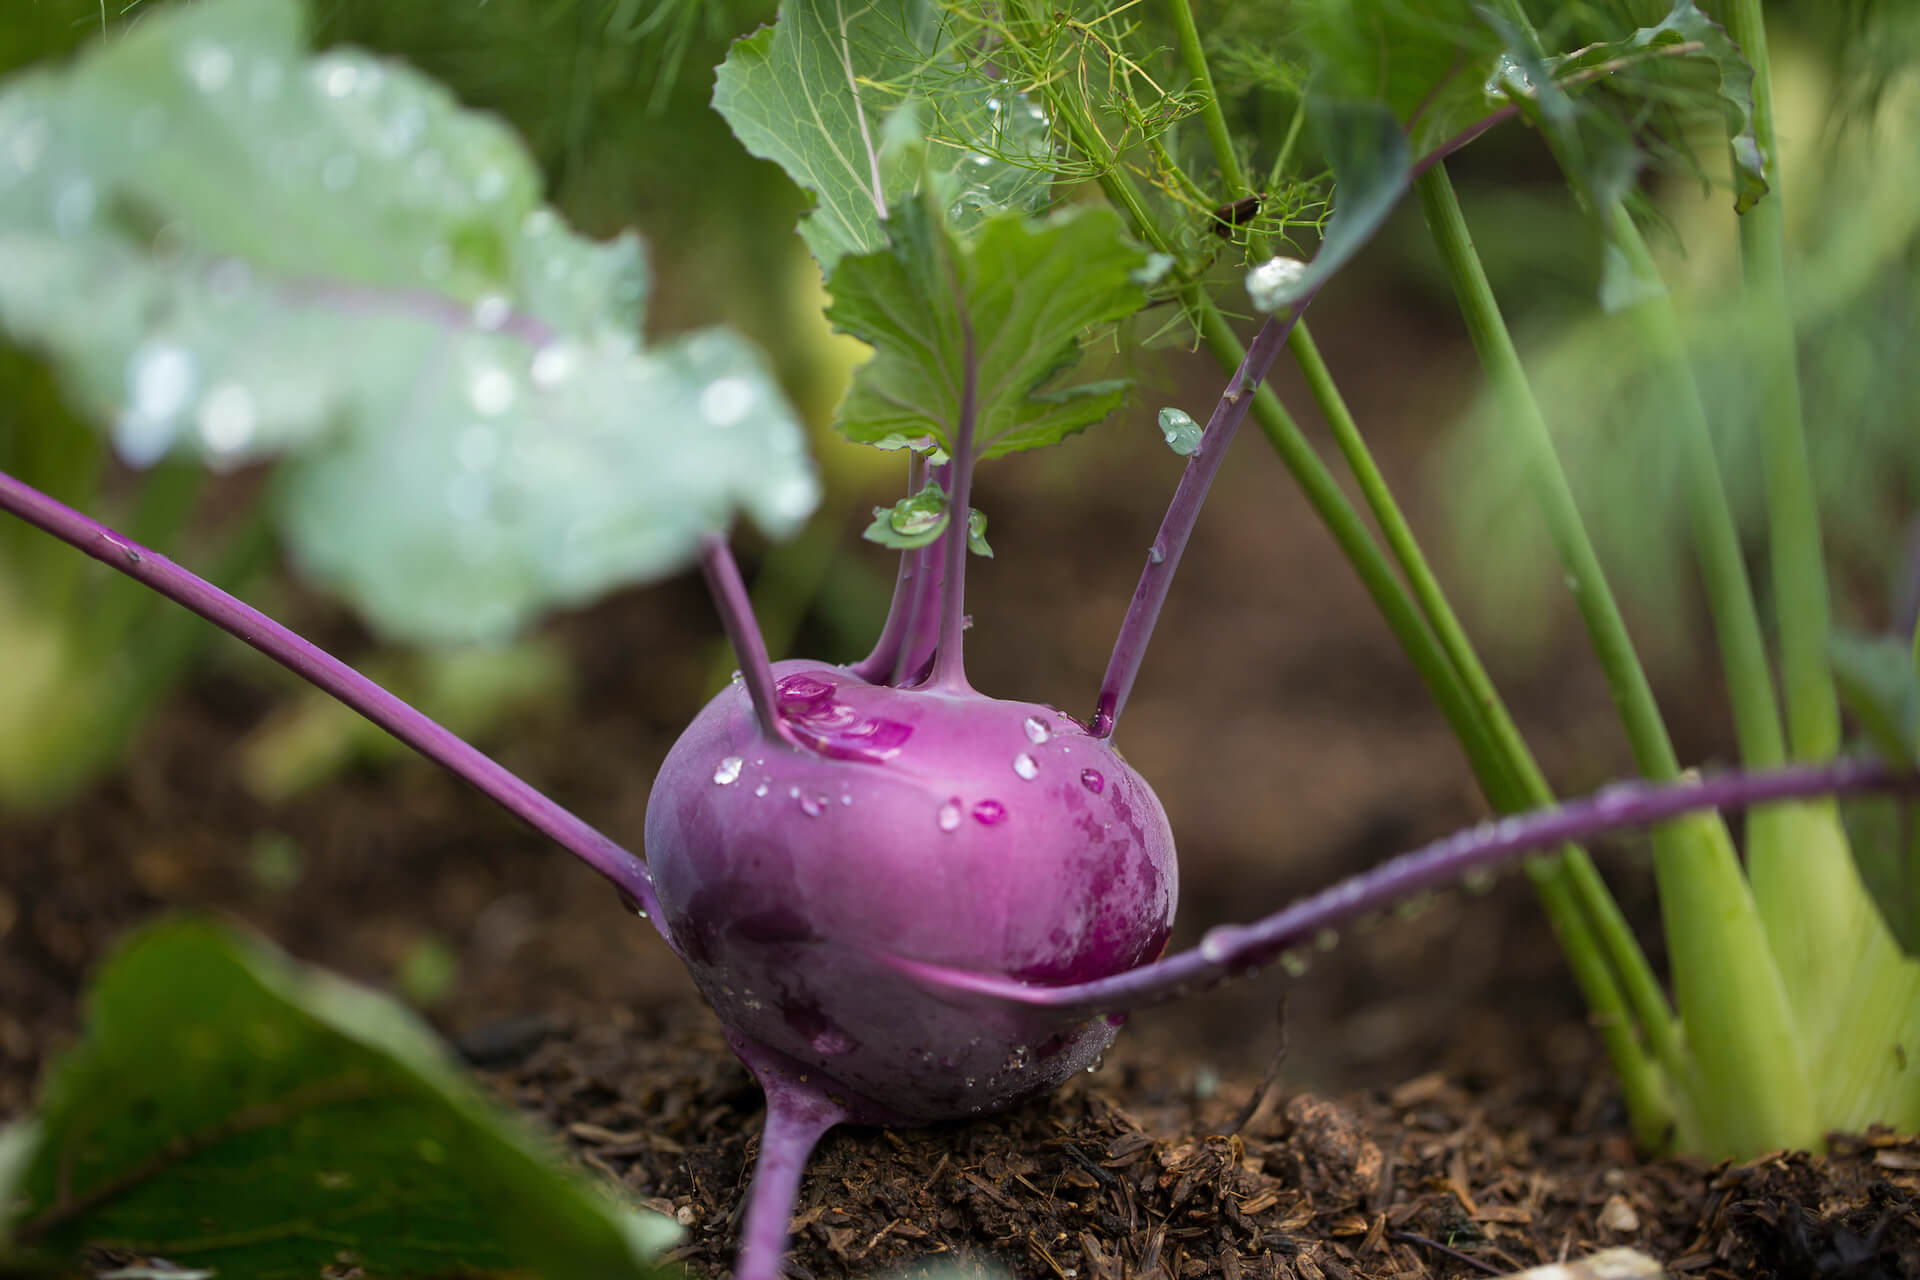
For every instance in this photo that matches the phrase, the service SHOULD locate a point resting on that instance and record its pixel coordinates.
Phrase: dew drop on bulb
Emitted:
(727, 770)
(949, 816)
(1037, 732)
(1024, 765)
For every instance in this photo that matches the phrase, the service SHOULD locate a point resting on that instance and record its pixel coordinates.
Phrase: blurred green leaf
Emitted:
(1026, 289)
(232, 248)
(229, 1110)
(821, 93)
(1877, 682)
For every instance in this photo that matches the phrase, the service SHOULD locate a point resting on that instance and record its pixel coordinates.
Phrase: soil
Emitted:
(1441, 1108)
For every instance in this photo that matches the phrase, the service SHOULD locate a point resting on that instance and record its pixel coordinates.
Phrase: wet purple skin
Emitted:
(905, 823)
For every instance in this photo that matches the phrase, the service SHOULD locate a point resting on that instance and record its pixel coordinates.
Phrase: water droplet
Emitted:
(211, 66)
(949, 815)
(1180, 431)
(227, 418)
(29, 143)
(1023, 764)
(813, 806)
(490, 185)
(1099, 1061)
(554, 364)
(161, 380)
(832, 1042)
(846, 798)
(491, 311)
(981, 161)
(726, 400)
(727, 770)
(491, 391)
(1217, 945)
(1156, 554)
(760, 790)
(337, 173)
(1275, 283)
(1018, 1057)
(1093, 780)
(970, 1082)
(1037, 731)
(989, 813)
(337, 78)
(793, 793)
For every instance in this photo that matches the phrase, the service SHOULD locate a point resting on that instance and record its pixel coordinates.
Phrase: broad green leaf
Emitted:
(1027, 290)
(1621, 95)
(1371, 169)
(229, 1110)
(1181, 431)
(235, 249)
(1670, 50)
(824, 92)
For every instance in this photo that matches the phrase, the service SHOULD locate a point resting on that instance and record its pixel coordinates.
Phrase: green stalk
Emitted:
(1218, 136)
(1749, 1086)
(1793, 522)
(1576, 877)
(1861, 995)
(1566, 899)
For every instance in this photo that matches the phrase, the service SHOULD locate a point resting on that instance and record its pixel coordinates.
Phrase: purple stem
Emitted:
(949, 669)
(923, 620)
(1130, 647)
(1461, 139)
(333, 676)
(1235, 949)
(735, 607)
(879, 667)
(798, 1113)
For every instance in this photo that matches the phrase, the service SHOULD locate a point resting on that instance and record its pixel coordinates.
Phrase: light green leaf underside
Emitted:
(230, 1111)
(816, 93)
(1029, 289)
(234, 249)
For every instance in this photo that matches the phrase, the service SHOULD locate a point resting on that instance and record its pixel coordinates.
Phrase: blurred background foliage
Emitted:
(1848, 118)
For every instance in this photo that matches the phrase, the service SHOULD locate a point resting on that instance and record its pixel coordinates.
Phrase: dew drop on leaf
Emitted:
(726, 400)
(1181, 432)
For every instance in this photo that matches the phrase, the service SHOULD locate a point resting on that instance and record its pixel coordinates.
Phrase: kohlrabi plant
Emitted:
(908, 900)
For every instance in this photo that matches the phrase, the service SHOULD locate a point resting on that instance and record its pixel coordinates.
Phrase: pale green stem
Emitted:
(1793, 522)
(1749, 1087)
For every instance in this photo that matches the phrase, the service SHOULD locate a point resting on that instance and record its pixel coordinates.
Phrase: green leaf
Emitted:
(915, 521)
(1181, 431)
(919, 519)
(233, 249)
(1372, 166)
(977, 533)
(1875, 677)
(1660, 57)
(231, 1111)
(1027, 289)
(832, 94)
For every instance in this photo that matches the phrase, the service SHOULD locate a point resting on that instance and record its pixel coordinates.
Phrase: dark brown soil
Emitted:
(1441, 1110)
